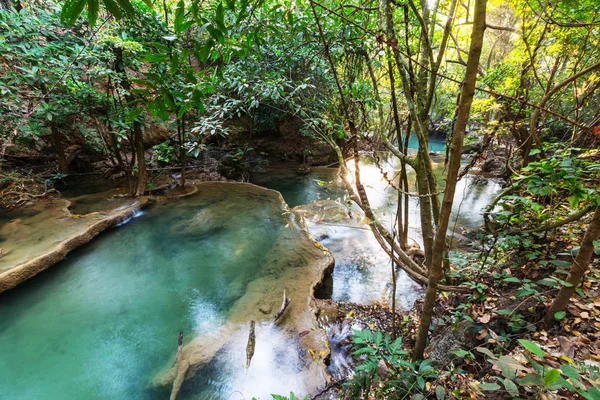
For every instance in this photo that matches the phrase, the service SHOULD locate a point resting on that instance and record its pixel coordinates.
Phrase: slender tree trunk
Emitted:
(182, 160)
(464, 108)
(138, 138)
(63, 165)
(578, 268)
(402, 209)
(420, 121)
(425, 211)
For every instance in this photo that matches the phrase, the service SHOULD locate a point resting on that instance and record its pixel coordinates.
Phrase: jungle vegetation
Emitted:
(519, 79)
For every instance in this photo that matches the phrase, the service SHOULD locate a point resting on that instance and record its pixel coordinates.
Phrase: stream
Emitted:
(362, 270)
(103, 322)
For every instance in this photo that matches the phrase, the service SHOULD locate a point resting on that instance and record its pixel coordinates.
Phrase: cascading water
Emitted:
(339, 334)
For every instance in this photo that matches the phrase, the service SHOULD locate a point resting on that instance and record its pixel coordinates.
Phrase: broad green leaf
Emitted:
(559, 315)
(531, 380)
(532, 347)
(155, 57)
(551, 377)
(127, 7)
(487, 352)
(569, 372)
(133, 114)
(113, 8)
(509, 366)
(460, 353)
(71, 10)
(220, 17)
(440, 392)
(168, 99)
(179, 16)
(510, 387)
(489, 386)
(92, 11)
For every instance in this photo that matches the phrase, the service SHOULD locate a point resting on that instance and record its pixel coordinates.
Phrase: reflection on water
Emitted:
(102, 323)
(362, 271)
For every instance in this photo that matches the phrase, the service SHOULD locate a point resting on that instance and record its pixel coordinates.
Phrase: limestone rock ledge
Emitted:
(86, 229)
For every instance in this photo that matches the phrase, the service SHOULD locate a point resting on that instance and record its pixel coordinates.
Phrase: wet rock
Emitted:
(472, 148)
(203, 223)
(322, 236)
(494, 166)
(449, 340)
(304, 169)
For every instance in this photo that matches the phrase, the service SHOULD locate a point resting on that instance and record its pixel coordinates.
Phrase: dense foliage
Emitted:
(87, 83)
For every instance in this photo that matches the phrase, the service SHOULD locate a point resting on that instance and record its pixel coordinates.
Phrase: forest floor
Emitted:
(481, 342)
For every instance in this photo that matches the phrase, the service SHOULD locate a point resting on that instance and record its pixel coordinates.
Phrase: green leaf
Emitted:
(549, 282)
(127, 7)
(487, 352)
(216, 34)
(133, 114)
(71, 10)
(113, 8)
(92, 11)
(220, 17)
(532, 347)
(179, 16)
(155, 57)
(510, 387)
(460, 353)
(569, 372)
(168, 99)
(531, 380)
(489, 386)
(551, 377)
(509, 366)
(440, 392)
(559, 315)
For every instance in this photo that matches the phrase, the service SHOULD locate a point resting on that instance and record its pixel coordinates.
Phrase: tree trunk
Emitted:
(402, 209)
(578, 268)
(138, 142)
(63, 165)
(138, 137)
(181, 135)
(464, 108)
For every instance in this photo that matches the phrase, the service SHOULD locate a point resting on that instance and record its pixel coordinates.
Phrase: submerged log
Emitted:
(251, 344)
(182, 369)
(284, 305)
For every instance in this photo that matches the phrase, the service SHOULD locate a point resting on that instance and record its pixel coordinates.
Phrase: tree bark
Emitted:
(138, 142)
(63, 165)
(138, 137)
(251, 345)
(464, 108)
(578, 268)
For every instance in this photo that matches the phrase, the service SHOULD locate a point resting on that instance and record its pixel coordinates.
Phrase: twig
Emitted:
(284, 305)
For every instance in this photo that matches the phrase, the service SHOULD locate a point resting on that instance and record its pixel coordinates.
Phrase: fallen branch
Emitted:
(547, 227)
(284, 305)
(251, 345)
